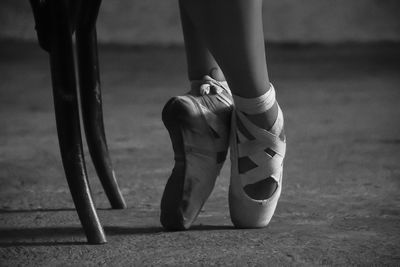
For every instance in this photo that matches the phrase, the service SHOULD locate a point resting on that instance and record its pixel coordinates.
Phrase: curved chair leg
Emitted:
(67, 118)
(89, 81)
(42, 18)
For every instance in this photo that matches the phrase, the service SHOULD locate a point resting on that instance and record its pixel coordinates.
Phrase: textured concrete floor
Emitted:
(340, 204)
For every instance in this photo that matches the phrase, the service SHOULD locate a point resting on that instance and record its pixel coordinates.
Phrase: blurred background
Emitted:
(156, 22)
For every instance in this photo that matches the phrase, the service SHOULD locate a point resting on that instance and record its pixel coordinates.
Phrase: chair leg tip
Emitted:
(119, 205)
(97, 241)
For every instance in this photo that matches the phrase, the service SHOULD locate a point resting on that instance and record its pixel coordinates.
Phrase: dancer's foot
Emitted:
(198, 124)
(257, 152)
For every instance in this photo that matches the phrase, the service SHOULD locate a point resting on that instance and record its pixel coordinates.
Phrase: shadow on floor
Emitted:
(211, 227)
(13, 237)
(40, 244)
(10, 211)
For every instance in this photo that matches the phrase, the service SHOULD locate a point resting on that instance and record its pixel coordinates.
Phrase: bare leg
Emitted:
(198, 125)
(199, 59)
(233, 32)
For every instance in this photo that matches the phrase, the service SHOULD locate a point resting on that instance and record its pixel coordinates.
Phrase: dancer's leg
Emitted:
(198, 125)
(233, 32)
(200, 62)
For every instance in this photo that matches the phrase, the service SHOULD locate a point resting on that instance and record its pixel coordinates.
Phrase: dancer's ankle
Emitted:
(262, 116)
(217, 74)
(266, 119)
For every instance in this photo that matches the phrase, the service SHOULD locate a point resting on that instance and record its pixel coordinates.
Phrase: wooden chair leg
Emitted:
(91, 101)
(67, 119)
(42, 18)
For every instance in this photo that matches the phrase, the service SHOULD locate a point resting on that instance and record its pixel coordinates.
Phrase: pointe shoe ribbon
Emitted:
(265, 150)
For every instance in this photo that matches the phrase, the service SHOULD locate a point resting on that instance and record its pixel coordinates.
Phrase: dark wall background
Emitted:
(157, 21)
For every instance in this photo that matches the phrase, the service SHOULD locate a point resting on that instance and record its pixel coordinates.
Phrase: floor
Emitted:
(340, 203)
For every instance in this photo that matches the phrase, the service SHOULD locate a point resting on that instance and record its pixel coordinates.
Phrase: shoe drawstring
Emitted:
(209, 85)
